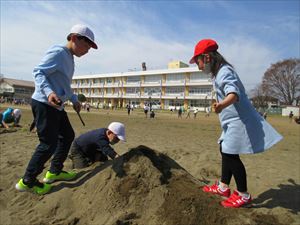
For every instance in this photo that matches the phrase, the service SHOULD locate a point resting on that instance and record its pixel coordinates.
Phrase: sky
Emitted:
(252, 35)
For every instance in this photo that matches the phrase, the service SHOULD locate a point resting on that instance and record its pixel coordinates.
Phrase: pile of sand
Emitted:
(142, 187)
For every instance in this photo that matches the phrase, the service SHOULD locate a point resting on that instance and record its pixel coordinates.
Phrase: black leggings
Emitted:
(232, 165)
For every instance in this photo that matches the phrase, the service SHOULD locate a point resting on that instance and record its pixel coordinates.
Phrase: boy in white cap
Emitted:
(53, 78)
(10, 115)
(95, 145)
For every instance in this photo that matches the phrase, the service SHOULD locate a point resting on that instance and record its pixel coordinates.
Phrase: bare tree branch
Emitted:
(282, 81)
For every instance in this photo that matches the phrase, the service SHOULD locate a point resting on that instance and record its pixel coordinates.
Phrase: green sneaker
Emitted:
(63, 175)
(37, 187)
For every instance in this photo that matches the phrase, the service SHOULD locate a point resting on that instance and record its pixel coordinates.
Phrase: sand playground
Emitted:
(158, 178)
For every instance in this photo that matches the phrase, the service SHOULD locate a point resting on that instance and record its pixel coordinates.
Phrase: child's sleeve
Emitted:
(106, 149)
(48, 65)
(230, 83)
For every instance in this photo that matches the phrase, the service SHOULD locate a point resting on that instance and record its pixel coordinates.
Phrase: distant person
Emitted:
(244, 131)
(195, 113)
(291, 115)
(188, 115)
(146, 109)
(88, 107)
(10, 115)
(207, 110)
(180, 113)
(152, 114)
(128, 109)
(95, 145)
(53, 76)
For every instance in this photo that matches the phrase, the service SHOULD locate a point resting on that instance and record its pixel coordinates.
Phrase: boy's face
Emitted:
(113, 138)
(81, 45)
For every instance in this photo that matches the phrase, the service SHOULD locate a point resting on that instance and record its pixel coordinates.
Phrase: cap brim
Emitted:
(93, 45)
(192, 61)
(122, 138)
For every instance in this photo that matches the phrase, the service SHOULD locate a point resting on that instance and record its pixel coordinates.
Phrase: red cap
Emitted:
(204, 46)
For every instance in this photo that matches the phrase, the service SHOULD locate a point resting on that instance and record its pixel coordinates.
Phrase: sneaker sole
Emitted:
(213, 193)
(50, 181)
(21, 189)
(30, 190)
(248, 205)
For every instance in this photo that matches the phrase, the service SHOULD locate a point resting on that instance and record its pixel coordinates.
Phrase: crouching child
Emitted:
(95, 145)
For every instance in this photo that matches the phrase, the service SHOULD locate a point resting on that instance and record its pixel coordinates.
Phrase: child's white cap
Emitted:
(118, 129)
(17, 113)
(83, 30)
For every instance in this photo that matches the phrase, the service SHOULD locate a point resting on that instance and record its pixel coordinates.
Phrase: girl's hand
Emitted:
(218, 107)
(231, 98)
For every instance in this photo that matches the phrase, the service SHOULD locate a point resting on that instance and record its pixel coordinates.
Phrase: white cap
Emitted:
(83, 30)
(17, 113)
(118, 129)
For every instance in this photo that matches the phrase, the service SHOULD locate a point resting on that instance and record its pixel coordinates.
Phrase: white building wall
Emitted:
(168, 87)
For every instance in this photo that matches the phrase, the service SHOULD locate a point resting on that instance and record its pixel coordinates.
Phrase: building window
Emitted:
(132, 90)
(152, 91)
(109, 80)
(175, 78)
(198, 103)
(199, 77)
(96, 81)
(134, 79)
(174, 90)
(153, 79)
(199, 90)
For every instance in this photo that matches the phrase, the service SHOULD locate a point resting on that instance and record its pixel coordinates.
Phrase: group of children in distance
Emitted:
(244, 130)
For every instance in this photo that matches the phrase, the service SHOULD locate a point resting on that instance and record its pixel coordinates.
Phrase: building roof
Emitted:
(23, 83)
(139, 73)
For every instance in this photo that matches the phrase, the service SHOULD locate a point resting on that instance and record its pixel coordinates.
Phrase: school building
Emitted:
(179, 85)
(17, 91)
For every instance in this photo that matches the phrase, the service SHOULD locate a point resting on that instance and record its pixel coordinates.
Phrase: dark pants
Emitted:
(55, 135)
(232, 165)
(83, 159)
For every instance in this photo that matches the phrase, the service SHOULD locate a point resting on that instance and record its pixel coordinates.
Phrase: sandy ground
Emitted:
(157, 184)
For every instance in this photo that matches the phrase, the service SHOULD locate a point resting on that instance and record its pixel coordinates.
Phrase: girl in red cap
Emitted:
(244, 130)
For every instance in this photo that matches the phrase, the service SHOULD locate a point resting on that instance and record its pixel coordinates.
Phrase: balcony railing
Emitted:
(132, 84)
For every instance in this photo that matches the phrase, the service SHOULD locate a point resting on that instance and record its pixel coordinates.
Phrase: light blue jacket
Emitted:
(244, 129)
(54, 74)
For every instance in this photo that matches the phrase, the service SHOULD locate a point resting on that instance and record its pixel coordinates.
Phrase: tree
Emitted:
(282, 80)
(81, 98)
(259, 99)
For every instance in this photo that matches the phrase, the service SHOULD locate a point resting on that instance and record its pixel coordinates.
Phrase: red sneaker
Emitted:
(214, 189)
(236, 201)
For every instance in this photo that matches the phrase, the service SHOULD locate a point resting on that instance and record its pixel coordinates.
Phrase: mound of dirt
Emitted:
(142, 187)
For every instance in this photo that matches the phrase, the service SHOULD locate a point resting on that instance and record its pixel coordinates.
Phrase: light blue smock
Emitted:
(244, 129)
(54, 74)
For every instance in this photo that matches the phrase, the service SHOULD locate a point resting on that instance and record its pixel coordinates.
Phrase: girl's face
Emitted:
(203, 63)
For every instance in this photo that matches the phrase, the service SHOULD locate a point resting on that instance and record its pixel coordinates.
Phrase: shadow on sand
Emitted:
(81, 177)
(287, 196)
